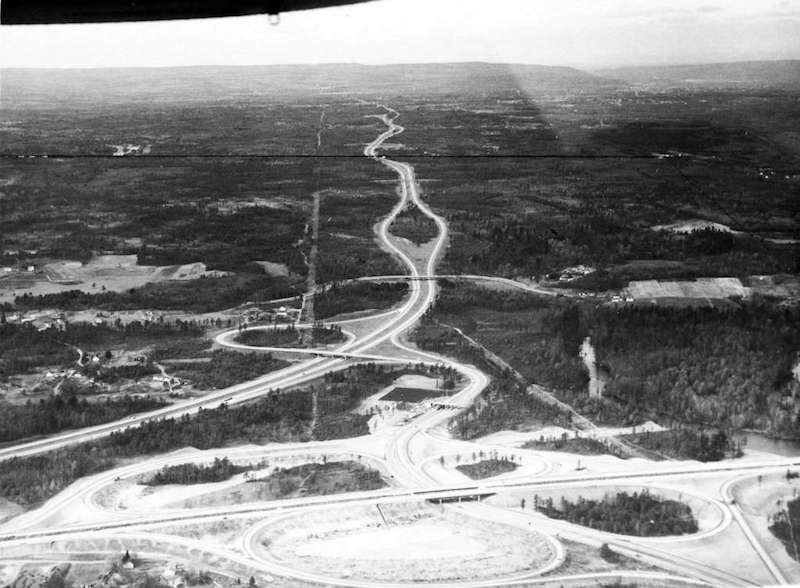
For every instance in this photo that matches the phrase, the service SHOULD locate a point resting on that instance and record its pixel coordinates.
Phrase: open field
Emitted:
(703, 288)
(113, 273)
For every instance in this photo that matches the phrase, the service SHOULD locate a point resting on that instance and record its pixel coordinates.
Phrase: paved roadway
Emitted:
(395, 452)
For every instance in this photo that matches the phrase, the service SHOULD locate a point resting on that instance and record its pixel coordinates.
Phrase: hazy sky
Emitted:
(585, 33)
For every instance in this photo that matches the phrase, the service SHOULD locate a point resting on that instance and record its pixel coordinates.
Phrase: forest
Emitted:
(505, 403)
(538, 336)
(641, 514)
(225, 213)
(415, 226)
(58, 413)
(226, 368)
(191, 473)
(204, 294)
(538, 245)
(227, 241)
(277, 417)
(687, 443)
(347, 244)
(533, 217)
(358, 296)
(723, 367)
(24, 348)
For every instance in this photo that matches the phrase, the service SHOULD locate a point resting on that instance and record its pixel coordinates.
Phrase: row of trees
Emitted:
(291, 336)
(580, 445)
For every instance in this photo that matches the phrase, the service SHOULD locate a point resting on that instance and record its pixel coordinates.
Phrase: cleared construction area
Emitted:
(415, 542)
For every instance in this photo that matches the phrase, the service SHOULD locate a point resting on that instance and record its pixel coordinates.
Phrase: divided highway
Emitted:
(395, 451)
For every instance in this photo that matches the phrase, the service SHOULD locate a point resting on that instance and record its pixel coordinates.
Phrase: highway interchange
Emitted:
(409, 454)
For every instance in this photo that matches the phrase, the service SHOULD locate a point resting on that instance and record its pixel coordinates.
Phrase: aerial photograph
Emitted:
(399, 293)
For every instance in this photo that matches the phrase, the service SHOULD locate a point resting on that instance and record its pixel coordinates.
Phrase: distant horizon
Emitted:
(587, 69)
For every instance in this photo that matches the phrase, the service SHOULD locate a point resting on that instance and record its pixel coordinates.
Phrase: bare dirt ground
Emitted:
(274, 269)
(404, 543)
(518, 438)
(8, 510)
(134, 495)
(224, 533)
(388, 413)
(761, 498)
